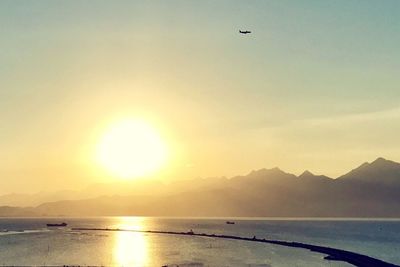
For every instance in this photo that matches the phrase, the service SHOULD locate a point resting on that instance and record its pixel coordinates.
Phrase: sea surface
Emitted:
(27, 241)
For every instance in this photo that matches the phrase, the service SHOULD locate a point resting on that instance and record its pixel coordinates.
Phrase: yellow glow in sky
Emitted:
(303, 91)
(131, 148)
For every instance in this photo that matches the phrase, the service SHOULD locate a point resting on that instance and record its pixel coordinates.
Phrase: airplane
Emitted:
(244, 32)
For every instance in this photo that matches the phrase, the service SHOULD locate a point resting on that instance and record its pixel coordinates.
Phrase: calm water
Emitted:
(37, 245)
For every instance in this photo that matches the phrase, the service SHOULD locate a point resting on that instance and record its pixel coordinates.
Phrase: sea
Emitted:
(28, 241)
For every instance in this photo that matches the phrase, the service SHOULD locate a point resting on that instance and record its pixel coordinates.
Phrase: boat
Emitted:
(229, 222)
(56, 224)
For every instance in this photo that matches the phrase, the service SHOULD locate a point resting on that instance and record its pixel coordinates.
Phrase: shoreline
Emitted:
(332, 254)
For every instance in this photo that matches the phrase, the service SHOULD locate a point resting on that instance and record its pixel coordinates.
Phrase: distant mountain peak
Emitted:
(378, 164)
(269, 174)
(276, 169)
(306, 173)
(264, 171)
(384, 162)
(380, 159)
(380, 170)
(364, 165)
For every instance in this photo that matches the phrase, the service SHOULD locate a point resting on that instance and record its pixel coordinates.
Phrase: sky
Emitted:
(315, 86)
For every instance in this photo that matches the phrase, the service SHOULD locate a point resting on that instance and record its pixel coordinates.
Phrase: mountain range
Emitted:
(371, 190)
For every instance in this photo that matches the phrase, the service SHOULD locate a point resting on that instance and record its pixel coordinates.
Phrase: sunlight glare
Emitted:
(131, 249)
(131, 148)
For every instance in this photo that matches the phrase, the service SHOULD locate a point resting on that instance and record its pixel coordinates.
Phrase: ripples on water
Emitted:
(29, 242)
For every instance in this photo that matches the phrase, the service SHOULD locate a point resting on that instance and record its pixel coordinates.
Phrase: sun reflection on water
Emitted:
(131, 249)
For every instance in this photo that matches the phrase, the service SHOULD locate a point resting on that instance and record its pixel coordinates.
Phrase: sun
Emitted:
(130, 149)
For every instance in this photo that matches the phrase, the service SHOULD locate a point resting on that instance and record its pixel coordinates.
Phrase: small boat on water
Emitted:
(229, 222)
(56, 224)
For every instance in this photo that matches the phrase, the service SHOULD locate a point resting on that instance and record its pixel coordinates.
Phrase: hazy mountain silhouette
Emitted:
(122, 188)
(6, 211)
(371, 190)
(380, 171)
(26, 200)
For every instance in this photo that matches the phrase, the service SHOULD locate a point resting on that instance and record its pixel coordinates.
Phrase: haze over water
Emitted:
(38, 245)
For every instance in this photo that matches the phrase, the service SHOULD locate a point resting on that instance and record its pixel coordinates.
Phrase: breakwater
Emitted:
(332, 254)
